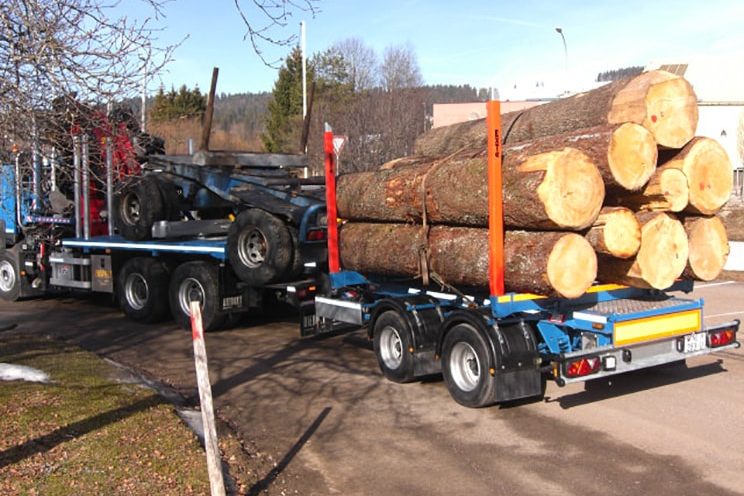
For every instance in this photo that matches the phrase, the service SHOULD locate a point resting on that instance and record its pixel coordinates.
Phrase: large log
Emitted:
(709, 247)
(663, 103)
(709, 173)
(661, 258)
(667, 190)
(559, 189)
(616, 232)
(548, 263)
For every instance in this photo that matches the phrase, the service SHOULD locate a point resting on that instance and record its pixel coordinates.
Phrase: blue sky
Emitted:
(482, 43)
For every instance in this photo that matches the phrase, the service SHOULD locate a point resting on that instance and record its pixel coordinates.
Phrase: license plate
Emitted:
(694, 342)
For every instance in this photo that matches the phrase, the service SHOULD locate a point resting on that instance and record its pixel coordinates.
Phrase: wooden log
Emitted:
(560, 189)
(548, 263)
(667, 190)
(709, 247)
(616, 232)
(662, 102)
(661, 259)
(709, 174)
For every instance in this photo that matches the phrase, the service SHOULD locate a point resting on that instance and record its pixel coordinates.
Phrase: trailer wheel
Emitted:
(465, 367)
(198, 281)
(259, 246)
(142, 287)
(10, 278)
(137, 206)
(392, 341)
(170, 197)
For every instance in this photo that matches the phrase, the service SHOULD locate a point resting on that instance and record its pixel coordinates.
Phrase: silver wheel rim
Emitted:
(131, 208)
(189, 290)
(7, 276)
(252, 247)
(391, 347)
(136, 291)
(464, 367)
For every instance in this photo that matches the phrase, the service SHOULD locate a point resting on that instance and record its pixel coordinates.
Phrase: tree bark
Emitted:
(663, 103)
(558, 189)
(709, 174)
(709, 247)
(616, 232)
(667, 190)
(661, 258)
(547, 263)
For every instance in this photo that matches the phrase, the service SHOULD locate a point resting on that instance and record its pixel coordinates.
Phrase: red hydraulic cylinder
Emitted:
(334, 264)
(495, 200)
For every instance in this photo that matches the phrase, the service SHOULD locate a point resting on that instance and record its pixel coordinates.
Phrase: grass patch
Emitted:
(85, 433)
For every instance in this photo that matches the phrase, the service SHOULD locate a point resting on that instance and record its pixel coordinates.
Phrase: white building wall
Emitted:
(721, 122)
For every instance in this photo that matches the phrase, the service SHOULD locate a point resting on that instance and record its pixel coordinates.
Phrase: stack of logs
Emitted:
(609, 185)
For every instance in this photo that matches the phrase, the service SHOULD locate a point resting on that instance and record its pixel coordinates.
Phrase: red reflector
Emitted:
(318, 235)
(582, 367)
(721, 338)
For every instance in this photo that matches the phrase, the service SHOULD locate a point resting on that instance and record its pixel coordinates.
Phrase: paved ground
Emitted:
(322, 409)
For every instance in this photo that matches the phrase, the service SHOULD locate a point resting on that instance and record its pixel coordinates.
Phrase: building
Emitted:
(445, 114)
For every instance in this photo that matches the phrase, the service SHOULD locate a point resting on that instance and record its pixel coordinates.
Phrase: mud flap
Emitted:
(518, 384)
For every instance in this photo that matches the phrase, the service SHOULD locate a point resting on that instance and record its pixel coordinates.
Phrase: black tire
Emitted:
(297, 267)
(142, 289)
(392, 342)
(198, 280)
(137, 206)
(170, 197)
(465, 367)
(259, 247)
(10, 277)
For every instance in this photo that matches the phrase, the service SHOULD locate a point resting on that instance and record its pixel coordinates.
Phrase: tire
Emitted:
(10, 277)
(297, 266)
(391, 341)
(465, 367)
(170, 198)
(198, 280)
(142, 289)
(138, 205)
(259, 247)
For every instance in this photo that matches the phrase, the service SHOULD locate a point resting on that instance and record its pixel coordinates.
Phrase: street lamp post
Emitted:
(565, 55)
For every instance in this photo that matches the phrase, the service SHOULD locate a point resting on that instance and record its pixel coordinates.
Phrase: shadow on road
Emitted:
(633, 382)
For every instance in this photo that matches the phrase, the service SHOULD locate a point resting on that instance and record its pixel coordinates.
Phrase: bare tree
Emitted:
(399, 68)
(276, 15)
(360, 62)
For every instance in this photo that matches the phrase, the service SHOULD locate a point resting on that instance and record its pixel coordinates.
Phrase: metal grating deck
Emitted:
(626, 306)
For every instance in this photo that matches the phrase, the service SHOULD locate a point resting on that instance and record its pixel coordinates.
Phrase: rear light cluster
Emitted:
(583, 367)
(316, 235)
(721, 337)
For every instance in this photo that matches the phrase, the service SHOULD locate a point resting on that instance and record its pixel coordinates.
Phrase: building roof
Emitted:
(714, 79)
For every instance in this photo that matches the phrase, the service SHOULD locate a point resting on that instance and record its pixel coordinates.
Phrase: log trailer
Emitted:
(495, 346)
(225, 229)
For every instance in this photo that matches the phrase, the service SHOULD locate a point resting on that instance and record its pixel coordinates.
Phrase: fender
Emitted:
(422, 313)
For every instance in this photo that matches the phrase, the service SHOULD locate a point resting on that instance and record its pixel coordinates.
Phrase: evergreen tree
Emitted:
(284, 117)
(185, 103)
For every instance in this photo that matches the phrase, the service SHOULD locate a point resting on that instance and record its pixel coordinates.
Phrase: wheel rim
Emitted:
(131, 208)
(136, 291)
(391, 347)
(190, 290)
(7, 276)
(464, 366)
(252, 247)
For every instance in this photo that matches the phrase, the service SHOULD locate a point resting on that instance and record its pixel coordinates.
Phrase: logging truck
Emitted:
(491, 345)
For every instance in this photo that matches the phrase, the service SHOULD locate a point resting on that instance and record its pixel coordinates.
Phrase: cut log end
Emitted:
(671, 112)
(616, 232)
(632, 155)
(572, 266)
(709, 247)
(674, 188)
(709, 175)
(664, 251)
(572, 190)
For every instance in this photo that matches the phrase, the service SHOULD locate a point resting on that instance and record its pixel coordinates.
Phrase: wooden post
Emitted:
(214, 463)
(209, 113)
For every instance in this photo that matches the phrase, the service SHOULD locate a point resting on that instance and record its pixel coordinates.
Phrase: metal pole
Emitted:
(35, 169)
(303, 47)
(53, 162)
(76, 184)
(565, 57)
(19, 216)
(143, 114)
(110, 185)
(86, 189)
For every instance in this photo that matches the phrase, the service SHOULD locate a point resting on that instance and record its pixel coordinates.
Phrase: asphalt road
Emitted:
(321, 408)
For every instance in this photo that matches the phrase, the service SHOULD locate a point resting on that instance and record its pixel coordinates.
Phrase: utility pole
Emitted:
(565, 55)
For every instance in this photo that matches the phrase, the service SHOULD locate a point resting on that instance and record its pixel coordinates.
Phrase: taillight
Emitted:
(721, 337)
(583, 366)
(316, 235)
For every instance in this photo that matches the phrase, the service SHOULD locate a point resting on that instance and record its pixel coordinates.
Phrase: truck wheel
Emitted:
(10, 278)
(391, 341)
(259, 247)
(170, 198)
(298, 266)
(142, 289)
(138, 205)
(198, 281)
(465, 367)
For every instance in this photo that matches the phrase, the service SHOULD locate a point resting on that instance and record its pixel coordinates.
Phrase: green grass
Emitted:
(87, 434)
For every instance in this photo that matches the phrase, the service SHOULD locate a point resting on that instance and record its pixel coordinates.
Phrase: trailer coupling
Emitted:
(601, 362)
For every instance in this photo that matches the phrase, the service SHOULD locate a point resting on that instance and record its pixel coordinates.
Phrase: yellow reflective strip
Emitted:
(605, 287)
(519, 297)
(660, 326)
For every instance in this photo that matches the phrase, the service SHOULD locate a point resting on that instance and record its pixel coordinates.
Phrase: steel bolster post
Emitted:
(495, 201)
(334, 264)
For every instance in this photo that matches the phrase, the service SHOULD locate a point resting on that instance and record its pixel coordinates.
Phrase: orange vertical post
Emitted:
(334, 264)
(495, 200)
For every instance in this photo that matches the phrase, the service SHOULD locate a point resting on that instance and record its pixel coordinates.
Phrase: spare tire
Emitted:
(260, 248)
(137, 206)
